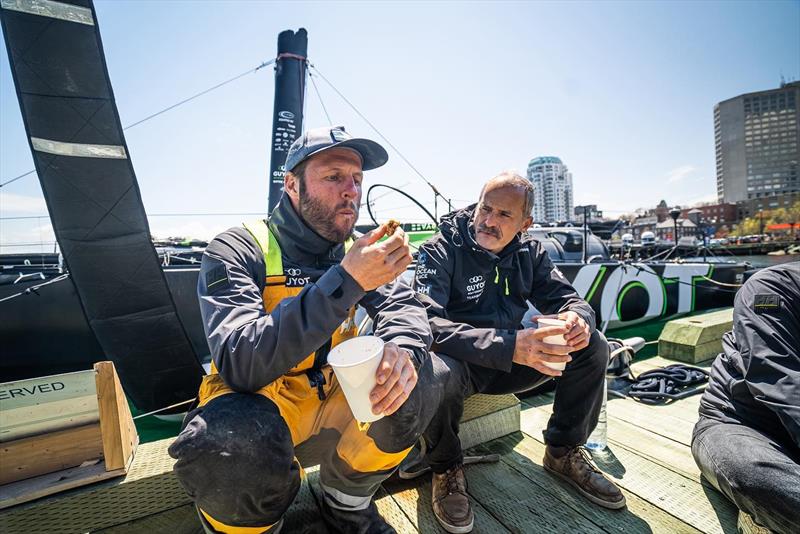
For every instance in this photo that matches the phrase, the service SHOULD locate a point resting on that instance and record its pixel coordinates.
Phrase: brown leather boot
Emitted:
(574, 466)
(451, 502)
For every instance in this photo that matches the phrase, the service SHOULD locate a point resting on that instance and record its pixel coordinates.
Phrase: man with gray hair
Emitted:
(476, 278)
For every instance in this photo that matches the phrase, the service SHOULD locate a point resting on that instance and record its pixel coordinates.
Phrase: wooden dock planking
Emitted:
(667, 452)
(650, 459)
(519, 506)
(681, 496)
(640, 515)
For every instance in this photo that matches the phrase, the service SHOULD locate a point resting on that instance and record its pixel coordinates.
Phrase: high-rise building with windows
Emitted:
(552, 190)
(756, 141)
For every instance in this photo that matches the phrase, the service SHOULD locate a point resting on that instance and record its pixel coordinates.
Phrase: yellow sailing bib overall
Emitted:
(306, 409)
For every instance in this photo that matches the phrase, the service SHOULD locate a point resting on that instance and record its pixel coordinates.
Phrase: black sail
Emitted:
(287, 115)
(88, 181)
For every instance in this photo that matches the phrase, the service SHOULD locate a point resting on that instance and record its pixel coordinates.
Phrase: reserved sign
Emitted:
(44, 404)
(31, 390)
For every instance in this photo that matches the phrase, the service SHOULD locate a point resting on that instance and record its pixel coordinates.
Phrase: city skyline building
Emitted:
(552, 189)
(756, 144)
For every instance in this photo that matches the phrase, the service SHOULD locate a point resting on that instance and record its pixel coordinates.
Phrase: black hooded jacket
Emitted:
(476, 299)
(756, 379)
(250, 347)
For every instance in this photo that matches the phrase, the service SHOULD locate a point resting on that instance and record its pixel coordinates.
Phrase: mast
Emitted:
(287, 113)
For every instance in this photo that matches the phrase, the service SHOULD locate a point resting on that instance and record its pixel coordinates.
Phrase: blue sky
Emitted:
(622, 92)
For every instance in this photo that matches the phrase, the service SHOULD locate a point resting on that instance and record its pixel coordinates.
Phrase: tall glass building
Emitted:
(552, 190)
(756, 141)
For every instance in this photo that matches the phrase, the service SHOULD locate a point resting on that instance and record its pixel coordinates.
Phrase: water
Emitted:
(598, 440)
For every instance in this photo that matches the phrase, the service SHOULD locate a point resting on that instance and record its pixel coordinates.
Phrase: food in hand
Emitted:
(391, 226)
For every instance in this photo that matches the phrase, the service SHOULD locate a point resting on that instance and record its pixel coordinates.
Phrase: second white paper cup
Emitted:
(355, 363)
(553, 340)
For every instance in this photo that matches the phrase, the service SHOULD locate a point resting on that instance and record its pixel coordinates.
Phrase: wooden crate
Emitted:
(63, 431)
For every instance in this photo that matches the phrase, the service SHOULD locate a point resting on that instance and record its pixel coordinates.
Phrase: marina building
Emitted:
(756, 143)
(591, 211)
(552, 190)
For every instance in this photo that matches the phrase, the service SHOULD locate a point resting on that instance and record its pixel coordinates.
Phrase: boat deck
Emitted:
(649, 457)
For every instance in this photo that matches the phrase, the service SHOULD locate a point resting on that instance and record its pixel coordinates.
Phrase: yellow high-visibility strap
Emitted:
(268, 244)
(219, 526)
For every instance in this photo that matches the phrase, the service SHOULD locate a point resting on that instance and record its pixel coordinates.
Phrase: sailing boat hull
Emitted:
(45, 331)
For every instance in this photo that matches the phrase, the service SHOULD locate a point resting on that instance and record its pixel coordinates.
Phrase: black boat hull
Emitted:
(45, 331)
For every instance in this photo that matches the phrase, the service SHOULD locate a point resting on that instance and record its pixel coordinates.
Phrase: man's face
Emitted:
(329, 196)
(499, 217)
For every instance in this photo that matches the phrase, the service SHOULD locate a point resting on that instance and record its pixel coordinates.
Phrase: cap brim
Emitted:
(372, 154)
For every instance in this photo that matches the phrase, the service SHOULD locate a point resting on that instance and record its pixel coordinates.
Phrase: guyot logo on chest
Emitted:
(475, 286)
(294, 278)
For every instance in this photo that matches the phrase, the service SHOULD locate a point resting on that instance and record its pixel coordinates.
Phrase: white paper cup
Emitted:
(557, 339)
(355, 363)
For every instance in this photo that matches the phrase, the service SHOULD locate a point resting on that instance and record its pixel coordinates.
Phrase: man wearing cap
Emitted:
(476, 278)
(275, 297)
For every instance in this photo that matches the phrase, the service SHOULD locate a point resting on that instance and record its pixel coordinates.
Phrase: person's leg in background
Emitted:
(759, 474)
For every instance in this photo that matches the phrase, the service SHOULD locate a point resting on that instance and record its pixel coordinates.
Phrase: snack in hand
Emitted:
(391, 226)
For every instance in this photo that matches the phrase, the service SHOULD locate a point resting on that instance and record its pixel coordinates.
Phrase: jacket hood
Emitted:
(456, 227)
(297, 240)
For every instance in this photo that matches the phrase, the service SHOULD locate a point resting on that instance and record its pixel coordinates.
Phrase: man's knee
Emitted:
(236, 460)
(596, 352)
(403, 428)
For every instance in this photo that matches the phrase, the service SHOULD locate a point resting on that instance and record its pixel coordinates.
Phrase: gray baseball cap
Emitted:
(315, 141)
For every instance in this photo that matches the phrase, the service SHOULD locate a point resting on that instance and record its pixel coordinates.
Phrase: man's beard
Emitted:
(322, 217)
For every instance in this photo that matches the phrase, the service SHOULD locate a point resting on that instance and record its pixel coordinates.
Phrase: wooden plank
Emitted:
(666, 452)
(507, 496)
(674, 421)
(119, 433)
(414, 498)
(693, 503)
(37, 455)
(35, 488)
(640, 516)
(648, 417)
(46, 404)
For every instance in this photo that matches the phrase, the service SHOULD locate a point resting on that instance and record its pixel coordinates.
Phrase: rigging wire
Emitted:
(208, 214)
(168, 108)
(402, 156)
(386, 194)
(412, 199)
(33, 289)
(165, 408)
(316, 90)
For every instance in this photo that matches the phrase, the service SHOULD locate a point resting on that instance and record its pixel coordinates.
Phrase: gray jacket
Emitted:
(756, 380)
(252, 348)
